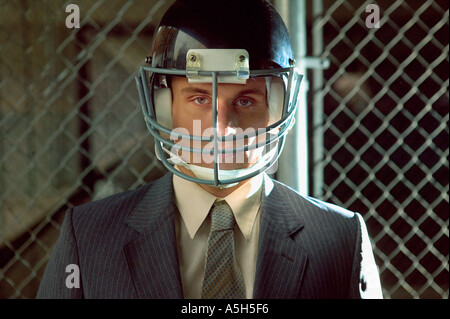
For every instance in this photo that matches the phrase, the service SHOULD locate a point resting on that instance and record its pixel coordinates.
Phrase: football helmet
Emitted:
(213, 42)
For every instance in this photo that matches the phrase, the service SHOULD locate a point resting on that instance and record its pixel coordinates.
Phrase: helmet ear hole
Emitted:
(163, 107)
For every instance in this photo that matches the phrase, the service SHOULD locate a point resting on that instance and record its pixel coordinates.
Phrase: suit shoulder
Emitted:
(112, 201)
(117, 205)
(332, 208)
(314, 205)
(320, 220)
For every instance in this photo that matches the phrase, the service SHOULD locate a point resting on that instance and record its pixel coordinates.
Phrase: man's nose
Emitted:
(226, 119)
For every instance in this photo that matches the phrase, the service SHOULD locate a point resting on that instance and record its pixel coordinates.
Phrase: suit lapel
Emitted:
(152, 255)
(281, 260)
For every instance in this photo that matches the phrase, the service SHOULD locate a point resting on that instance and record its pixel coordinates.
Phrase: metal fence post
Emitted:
(293, 162)
(317, 104)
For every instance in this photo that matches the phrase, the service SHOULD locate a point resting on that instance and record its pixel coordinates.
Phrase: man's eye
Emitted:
(201, 100)
(244, 102)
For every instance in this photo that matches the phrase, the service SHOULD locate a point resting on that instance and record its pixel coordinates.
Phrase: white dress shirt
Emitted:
(192, 230)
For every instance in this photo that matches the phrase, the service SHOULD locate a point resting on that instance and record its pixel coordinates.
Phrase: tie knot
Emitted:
(221, 217)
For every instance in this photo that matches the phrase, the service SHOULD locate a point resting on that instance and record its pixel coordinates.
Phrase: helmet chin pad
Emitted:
(163, 103)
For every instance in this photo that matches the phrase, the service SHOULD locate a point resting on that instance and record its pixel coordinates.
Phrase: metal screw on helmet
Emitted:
(241, 58)
(192, 57)
(148, 59)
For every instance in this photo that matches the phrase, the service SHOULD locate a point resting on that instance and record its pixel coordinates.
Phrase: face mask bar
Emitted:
(282, 125)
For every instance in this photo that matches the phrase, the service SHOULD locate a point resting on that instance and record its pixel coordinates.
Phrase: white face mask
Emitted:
(224, 175)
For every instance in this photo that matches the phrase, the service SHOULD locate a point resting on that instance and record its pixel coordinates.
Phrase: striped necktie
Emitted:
(222, 278)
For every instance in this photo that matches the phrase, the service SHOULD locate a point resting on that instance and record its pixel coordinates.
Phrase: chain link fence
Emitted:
(380, 123)
(71, 130)
(70, 121)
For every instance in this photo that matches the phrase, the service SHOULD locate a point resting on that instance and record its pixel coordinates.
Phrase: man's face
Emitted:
(241, 107)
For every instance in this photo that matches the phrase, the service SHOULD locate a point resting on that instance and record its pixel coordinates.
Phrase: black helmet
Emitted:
(253, 25)
(212, 41)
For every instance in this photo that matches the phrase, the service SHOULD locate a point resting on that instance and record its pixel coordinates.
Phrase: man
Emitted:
(219, 98)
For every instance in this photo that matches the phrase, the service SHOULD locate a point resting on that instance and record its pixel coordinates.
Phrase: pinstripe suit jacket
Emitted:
(125, 247)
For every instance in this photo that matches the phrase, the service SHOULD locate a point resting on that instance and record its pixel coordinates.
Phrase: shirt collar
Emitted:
(244, 203)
